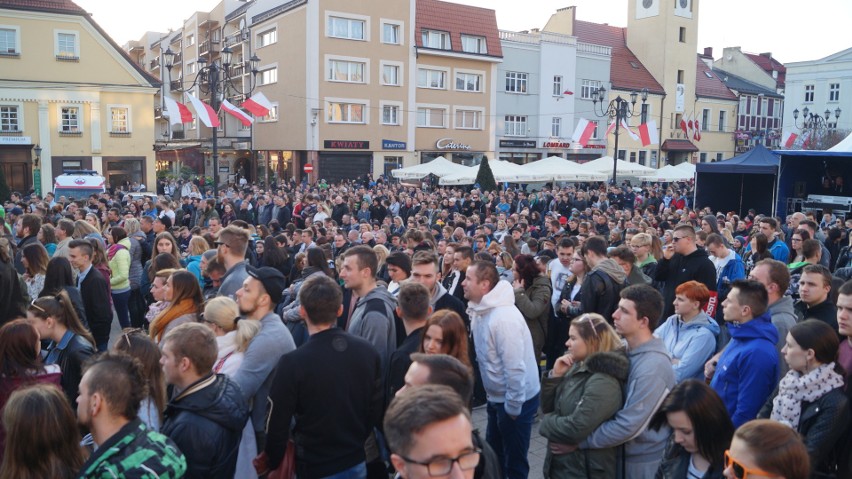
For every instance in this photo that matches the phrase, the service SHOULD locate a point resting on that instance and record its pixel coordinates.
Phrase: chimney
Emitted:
(708, 52)
(767, 55)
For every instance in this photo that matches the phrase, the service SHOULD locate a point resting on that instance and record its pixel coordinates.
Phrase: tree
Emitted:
(484, 177)
(5, 194)
(823, 140)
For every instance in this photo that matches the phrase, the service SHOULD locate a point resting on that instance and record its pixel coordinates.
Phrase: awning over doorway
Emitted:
(679, 145)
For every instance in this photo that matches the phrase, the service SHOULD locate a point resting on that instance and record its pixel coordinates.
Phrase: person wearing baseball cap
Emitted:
(257, 298)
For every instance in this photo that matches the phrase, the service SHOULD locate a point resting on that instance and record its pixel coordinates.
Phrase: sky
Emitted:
(790, 30)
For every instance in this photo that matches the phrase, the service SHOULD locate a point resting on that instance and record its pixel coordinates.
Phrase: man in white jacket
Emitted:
(504, 351)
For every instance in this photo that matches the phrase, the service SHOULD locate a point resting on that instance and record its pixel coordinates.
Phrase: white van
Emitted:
(79, 184)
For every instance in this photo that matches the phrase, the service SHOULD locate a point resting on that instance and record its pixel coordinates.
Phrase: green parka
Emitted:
(534, 303)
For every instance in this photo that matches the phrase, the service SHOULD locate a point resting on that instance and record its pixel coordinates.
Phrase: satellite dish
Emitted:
(242, 24)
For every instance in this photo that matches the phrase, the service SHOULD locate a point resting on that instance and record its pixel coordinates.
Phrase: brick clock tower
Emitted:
(663, 34)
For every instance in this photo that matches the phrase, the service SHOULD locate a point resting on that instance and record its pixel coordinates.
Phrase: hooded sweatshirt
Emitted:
(504, 349)
(691, 344)
(373, 320)
(747, 371)
(601, 287)
(650, 379)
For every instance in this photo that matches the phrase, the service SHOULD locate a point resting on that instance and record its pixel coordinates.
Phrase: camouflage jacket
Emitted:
(135, 452)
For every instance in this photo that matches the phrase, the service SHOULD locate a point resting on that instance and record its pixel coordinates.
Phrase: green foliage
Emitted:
(5, 193)
(485, 177)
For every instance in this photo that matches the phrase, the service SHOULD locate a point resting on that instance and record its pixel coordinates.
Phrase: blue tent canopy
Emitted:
(743, 182)
(759, 160)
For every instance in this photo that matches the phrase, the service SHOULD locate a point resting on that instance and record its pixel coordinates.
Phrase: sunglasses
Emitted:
(740, 471)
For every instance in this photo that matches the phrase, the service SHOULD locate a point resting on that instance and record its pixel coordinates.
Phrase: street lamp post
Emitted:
(216, 80)
(816, 124)
(618, 109)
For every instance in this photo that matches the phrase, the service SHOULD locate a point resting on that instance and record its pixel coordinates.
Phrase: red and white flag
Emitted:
(258, 105)
(237, 113)
(806, 139)
(177, 112)
(205, 112)
(648, 133)
(791, 140)
(609, 129)
(683, 125)
(697, 134)
(630, 132)
(690, 125)
(583, 132)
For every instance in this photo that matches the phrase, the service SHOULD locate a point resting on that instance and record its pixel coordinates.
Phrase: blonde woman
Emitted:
(583, 390)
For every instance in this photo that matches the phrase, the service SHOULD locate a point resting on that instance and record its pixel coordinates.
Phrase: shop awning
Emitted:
(679, 145)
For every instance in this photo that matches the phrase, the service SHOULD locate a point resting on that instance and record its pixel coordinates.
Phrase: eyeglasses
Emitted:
(442, 466)
(740, 471)
(675, 239)
(33, 305)
(220, 243)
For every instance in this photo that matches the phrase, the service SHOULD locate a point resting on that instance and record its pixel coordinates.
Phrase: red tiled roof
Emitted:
(678, 145)
(457, 20)
(62, 6)
(712, 86)
(626, 71)
(769, 65)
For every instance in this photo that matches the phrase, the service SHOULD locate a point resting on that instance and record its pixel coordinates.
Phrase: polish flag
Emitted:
(683, 125)
(609, 129)
(697, 134)
(648, 133)
(205, 112)
(237, 113)
(630, 132)
(177, 112)
(806, 140)
(791, 140)
(690, 125)
(258, 105)
(584, 131)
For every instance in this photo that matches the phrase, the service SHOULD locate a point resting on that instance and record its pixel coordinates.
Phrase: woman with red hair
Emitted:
(690, 335)
(532, 298)
(445, 333)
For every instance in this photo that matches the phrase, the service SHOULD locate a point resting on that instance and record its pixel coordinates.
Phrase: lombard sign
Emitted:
(16, 140)
(450, 144)
(556, 144)
(393, 145)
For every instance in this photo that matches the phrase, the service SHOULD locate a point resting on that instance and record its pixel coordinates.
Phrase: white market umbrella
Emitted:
(504, 171)
(668, 174)
(688, 167)
(624, 168)
(556, 168)
(439, 167)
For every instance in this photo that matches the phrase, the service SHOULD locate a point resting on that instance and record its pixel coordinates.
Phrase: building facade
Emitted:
(715, 109)
(92, 109)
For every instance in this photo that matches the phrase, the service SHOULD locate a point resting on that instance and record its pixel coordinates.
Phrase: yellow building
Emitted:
(68, 88)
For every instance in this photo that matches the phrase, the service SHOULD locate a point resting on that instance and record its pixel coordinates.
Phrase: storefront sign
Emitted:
(346, 145)
(37, 181)
(224, 169)
(557, 144)
(16, 140)
(517, 143)
(393, 145)
(449, 144)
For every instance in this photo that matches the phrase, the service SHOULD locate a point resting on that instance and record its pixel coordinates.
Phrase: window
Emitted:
(834, 92)
(643, 158)
(67, 45)
(557, 85)
(680, 76)
(595, 133)
(556, 127)
(702, 157)
(190, 68)
(643, 116)
(468, 82)
(723, 120)
(10, 119)
(267, 37)
(682, 35)
(471, 44)
(390, 75)
(633, 157)
(119, 120)
(622, 154)
(271, 116)
(431, 117)
(436, 39)
(516, 82)
(270, 75)
(391, 33)
(432, 79)
(346, 71)
(9, 41)
(69, 119)
(515, 125)
(468, 119)
(705, 120)
(390, 115)
(588, 89)
(809, 93)
(720, 156)
(190, 41)
(764, 107)
(347, 28)
(346, 112)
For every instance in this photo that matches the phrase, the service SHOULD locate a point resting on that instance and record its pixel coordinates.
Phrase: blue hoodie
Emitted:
(747, 371)
(691, 344)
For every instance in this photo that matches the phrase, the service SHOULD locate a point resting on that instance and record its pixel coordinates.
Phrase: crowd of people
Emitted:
(348, 331)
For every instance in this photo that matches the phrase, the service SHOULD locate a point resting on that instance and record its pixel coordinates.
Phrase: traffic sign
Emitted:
(309, 168)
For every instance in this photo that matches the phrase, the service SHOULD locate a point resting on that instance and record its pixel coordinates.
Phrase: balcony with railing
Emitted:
(154, 64)
(175, 85)
(178, 135)
(208, 46)
(237, 37)
(594, 49)
(535, 37)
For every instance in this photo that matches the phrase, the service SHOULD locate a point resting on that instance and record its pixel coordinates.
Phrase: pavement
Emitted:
(538, 444)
